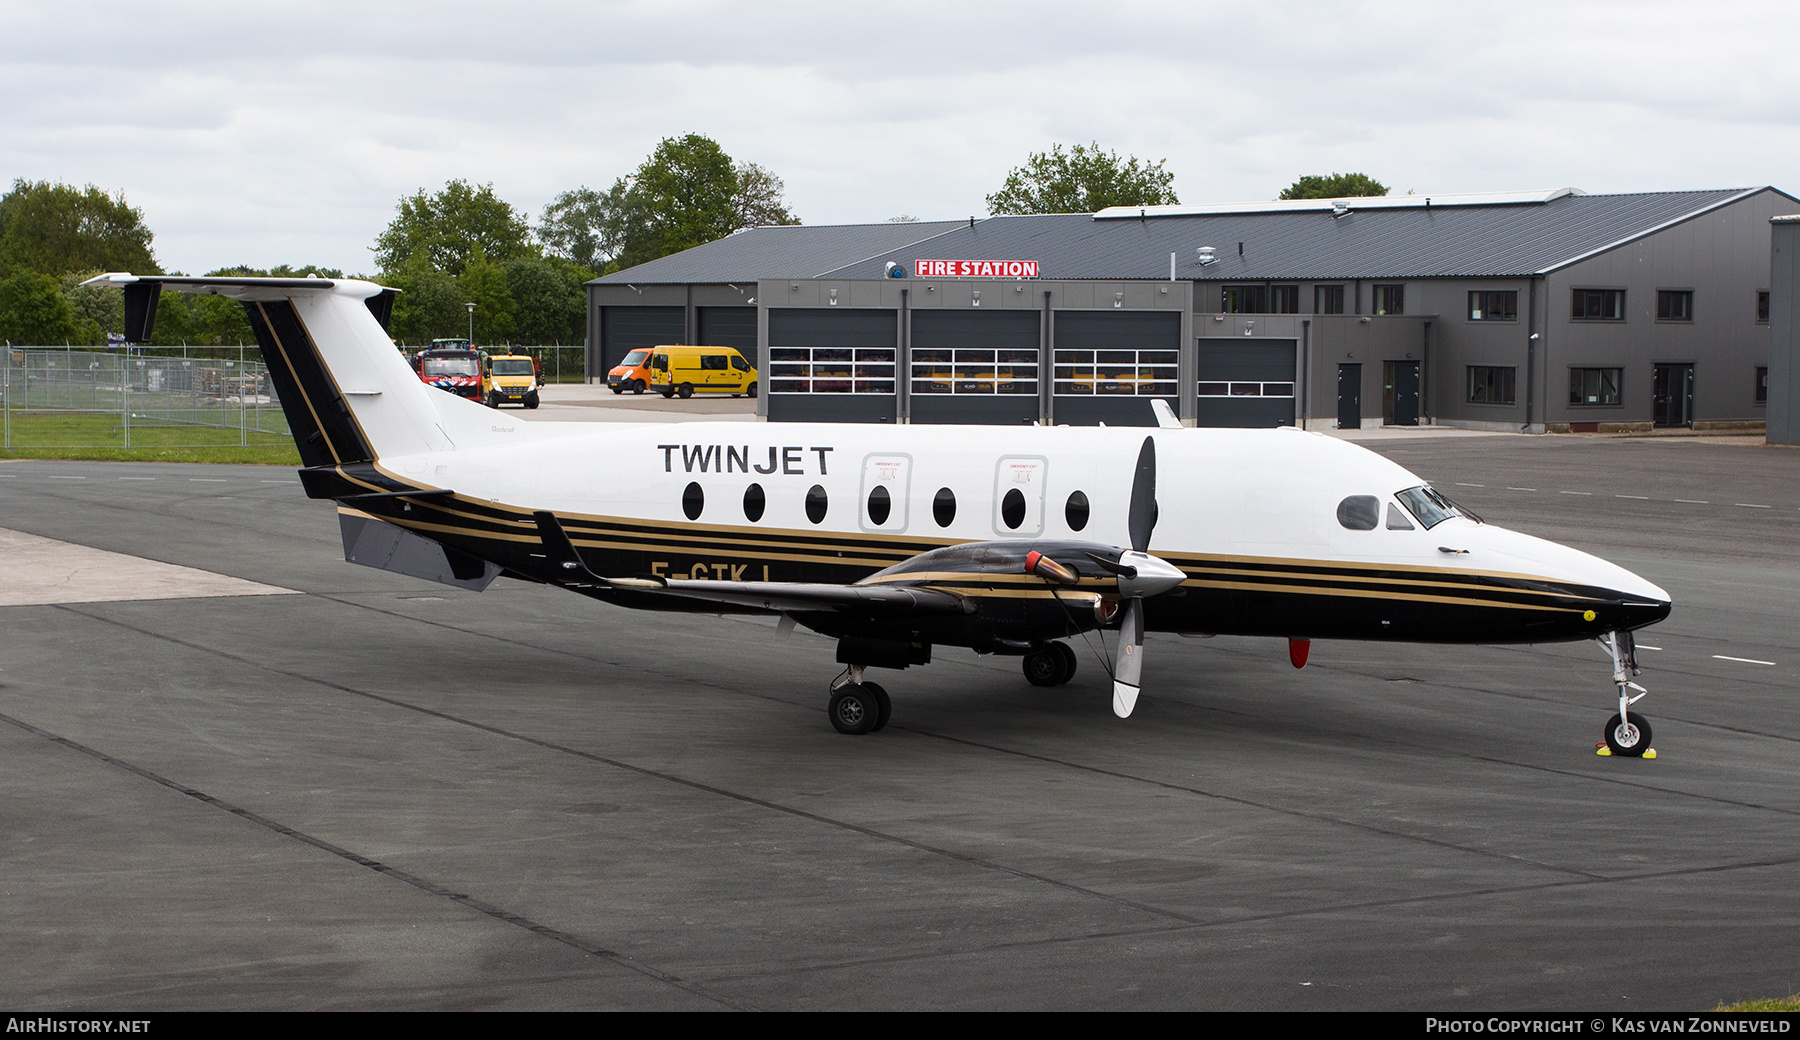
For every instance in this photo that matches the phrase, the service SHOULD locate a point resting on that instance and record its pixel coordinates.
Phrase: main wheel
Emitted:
(854, 710)
(687, 390)
(1630, 737)
(1068, 653)
(493, 400)
(637, 386)
(1047, 667)
(531, 400)
(884, 703)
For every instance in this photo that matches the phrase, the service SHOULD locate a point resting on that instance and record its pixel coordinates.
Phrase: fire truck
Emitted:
(451, 365)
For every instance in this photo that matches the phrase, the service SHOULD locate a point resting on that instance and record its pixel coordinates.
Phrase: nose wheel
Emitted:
(1627, 733)
(856, 706)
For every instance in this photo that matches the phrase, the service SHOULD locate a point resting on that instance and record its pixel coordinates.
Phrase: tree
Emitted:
(33, 311)
(549, 299)
(55, 229)
(1335, 186)
(430, 305)
(1085, 179)
(758, 201)
(581, 226)
(688, 193)
(446, 229)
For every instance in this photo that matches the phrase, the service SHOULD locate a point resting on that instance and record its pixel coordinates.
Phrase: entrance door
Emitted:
(1674, 396)
(1400, 393)
(1350, 397)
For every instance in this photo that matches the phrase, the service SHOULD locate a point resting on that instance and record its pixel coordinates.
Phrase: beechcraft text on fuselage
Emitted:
(789, 460)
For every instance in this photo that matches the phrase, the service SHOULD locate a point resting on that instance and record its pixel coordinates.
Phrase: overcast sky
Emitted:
(262, 134)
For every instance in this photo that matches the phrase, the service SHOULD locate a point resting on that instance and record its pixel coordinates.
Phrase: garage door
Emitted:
(624, 329)
(831, 365)
(729, 327)
(1109, 365)
(979, 368)
(1245, 383)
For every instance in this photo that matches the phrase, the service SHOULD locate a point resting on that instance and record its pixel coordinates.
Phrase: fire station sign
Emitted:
(975, 268)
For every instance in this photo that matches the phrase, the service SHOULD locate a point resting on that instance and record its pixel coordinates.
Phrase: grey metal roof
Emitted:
(795, 251)
(1463, 241)
(1507, 240)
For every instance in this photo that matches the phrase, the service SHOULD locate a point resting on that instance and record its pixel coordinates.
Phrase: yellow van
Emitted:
(689, 370)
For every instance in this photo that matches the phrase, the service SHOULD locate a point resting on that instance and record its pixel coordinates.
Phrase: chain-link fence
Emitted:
(80, 399)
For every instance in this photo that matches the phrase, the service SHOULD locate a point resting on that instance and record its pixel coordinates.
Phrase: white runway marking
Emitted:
(1641, 498)
(207, 480)
(1694, 501)
(58, 476)
(1574, 492)
(1751, 505)
(1461, 484)
(1521, 489)
(1743, 660)
(43, 570)
(137, 478)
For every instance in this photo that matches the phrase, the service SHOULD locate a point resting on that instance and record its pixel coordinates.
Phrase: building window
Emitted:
(1491, 384)
(1594, 385)
(1494, 306)
(1390, 299)
(959, 371)
(1244, 299)
(1674, 305)
(831, 370)
(1246, 389)
(1762, 384)
(1599, 305)
(1284, 299)
(1762, 308)
(1148, 373)
(1328, 299)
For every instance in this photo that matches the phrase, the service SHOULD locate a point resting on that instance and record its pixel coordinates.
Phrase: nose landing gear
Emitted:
(1627, 733)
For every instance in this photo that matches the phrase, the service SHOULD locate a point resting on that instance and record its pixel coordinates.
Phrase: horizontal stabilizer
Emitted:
(375, 543)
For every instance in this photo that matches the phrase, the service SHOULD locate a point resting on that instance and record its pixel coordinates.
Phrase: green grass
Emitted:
(1766, 1004)
(101, 437)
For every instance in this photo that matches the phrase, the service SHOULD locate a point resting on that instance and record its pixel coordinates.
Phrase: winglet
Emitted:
(1165, 416)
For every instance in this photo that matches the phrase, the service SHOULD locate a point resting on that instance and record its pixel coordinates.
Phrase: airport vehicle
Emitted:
(509, 379)
(631, 373)
(898, 539)
(688, 370)
(454, 368)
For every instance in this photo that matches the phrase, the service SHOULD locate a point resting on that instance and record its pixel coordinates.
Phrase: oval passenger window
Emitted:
(1359, 512)
(1012, 509)
(815, 504)
(1076, 512)
(754, 503)
(693, 500)
(943, 507)
(880, 505)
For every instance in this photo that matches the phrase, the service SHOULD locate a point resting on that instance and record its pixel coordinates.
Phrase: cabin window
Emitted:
(1012, 509)
(1076, 512)
(816, 504)
(754, 503)
(1396, 519)
(693, 501)
(943, 507)
(1359, 512)
(880, 505)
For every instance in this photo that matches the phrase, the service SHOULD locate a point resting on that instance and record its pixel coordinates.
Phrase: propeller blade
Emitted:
(1129, 665)
(1142, 518)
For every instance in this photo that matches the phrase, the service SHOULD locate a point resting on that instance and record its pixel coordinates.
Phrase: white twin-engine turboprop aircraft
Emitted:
(892, 539)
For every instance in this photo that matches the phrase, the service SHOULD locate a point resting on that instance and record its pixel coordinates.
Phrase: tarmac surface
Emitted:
(385, 793)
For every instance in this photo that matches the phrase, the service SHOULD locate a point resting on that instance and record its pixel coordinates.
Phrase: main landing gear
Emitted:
(1051, 666)
(857, 706)
(1627, 732)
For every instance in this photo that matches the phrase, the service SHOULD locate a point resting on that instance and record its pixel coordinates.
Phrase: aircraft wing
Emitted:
(800, 596)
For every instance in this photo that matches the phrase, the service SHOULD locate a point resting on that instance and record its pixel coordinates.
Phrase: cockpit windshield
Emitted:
(635, 358)
(1431, 507)
(512, 367)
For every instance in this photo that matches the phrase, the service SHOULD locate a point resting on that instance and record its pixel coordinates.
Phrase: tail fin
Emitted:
(349, 395)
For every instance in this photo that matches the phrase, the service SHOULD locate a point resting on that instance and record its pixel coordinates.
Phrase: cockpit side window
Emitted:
(1359, 512)
(1396, 519)
(1431, 507)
